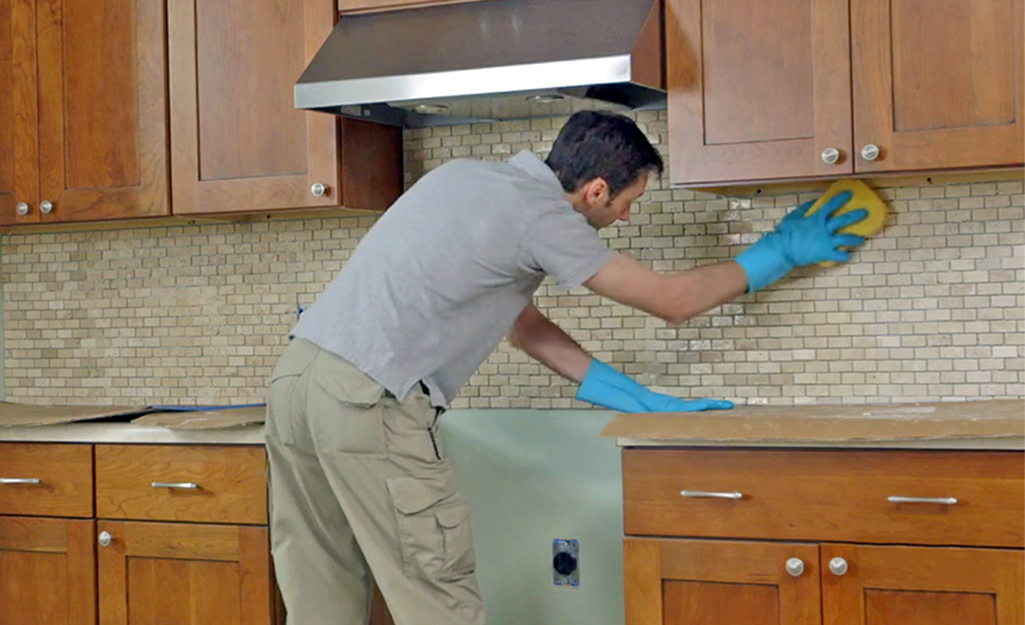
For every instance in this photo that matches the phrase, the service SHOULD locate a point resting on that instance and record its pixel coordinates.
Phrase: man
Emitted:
(359, 481)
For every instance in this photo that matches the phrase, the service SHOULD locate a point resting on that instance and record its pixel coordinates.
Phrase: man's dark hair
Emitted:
(597, 144)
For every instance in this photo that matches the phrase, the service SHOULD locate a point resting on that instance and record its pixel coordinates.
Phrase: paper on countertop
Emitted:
(176, 417)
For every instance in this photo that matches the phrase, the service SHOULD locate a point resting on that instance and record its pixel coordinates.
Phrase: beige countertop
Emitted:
(988, 424)
(131, 433)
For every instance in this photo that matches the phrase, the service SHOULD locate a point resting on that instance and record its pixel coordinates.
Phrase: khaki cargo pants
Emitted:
(360, 488)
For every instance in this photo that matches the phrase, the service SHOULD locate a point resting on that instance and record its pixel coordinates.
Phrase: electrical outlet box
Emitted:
(566, 562)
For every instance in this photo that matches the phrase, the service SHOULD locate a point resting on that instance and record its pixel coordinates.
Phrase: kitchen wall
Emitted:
(532, 476)
(934, 309)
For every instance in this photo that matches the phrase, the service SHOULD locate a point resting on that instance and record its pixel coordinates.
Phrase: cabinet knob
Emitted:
(870, 152)
(22, 208)
(838, 566)
(830, 156)
(795, 567)
(105, 539)
(318, 189)
(45, 207)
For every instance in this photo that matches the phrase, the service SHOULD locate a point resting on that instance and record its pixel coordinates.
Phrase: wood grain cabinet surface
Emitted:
(124, 565)
(46, 479)
(798, 537)
(787, 89)
(184, 574)
(47, 571)
(120, 109)
(83, 112)
(238, 142)
(203, 483)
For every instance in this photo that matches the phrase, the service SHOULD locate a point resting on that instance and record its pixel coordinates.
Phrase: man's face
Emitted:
(604, 211)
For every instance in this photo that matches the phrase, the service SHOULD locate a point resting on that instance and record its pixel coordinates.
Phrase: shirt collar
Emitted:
(530, 163)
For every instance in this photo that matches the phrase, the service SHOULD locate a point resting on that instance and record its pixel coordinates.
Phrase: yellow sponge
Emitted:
(862, 196)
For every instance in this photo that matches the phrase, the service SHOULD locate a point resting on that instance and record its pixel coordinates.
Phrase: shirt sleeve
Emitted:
(561, 243)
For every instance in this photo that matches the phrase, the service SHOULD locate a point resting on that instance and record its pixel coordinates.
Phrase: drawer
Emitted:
(833, 495)
(209, 484)
(46, 479)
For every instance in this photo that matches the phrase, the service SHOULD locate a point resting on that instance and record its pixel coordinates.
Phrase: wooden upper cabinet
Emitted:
(757, 88)
(922, 586)
(366, 6)
(19, 113)
(7, 158)
(239, 144)
(938, 84)
(788, 89)
(102, 109)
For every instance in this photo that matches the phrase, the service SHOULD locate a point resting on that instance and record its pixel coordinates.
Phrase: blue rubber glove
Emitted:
(800, 240)
(604, 386)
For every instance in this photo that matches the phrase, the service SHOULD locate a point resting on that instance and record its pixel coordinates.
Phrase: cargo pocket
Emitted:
(434, 529)
(283, 409)
(346, 408)
(460, 559)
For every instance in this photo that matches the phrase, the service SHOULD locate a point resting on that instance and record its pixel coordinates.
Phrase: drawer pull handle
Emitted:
(20, 480)
(943, 501)
(711, 495)
(188, 485)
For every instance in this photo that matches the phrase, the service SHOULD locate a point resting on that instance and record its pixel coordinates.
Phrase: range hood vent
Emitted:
(489, 60)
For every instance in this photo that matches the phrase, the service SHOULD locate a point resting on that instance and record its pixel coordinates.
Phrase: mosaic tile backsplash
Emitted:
(931, 310)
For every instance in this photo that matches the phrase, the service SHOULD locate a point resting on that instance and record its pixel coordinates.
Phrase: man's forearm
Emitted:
(703, 288)
(545, 342)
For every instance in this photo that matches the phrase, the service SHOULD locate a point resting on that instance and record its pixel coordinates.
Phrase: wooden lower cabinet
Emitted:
(715, 582)
(47, 571)
(707, 582)
(823, 537)
(183, 574)
(922, 585)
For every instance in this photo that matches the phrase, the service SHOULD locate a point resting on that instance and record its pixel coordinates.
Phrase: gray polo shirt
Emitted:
(437, 282)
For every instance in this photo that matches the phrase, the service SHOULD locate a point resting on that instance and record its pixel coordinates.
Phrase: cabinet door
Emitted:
(922, 586)
(184, 574)
(757, 89)
(102, 109)
(240, 145)
(705, 582)
(938, 84)
(19, 114)
(47, 571)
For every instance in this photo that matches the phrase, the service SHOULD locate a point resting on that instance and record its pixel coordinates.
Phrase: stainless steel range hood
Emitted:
(489, 60)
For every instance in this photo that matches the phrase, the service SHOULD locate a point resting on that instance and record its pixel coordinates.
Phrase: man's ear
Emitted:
(596, 192)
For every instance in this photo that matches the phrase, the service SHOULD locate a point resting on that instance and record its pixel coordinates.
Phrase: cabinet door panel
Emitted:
(103, 109)
(748, 102)
(184, 574)
(239, 143)
(19, 112)
(7, 159)
(707, 582)
(923, 586)
(938, 85)
(47, 568)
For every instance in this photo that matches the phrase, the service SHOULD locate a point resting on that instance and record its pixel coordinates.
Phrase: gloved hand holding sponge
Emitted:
(813, 233)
